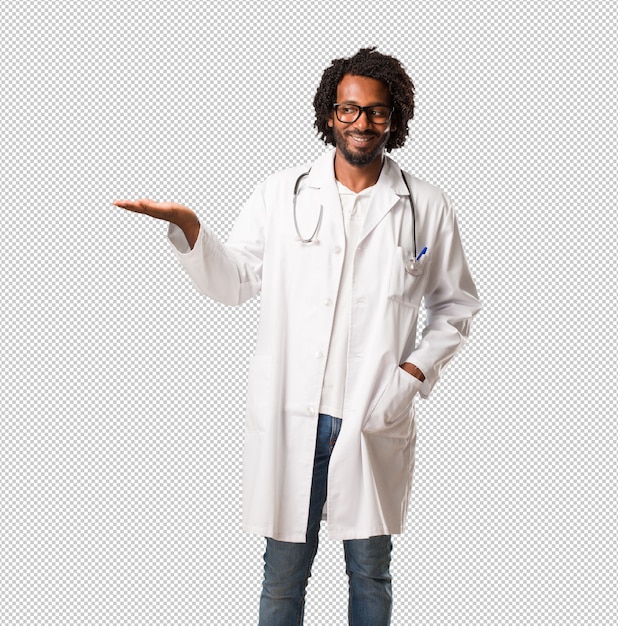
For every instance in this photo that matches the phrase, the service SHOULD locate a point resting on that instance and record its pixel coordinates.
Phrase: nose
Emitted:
(362, 121)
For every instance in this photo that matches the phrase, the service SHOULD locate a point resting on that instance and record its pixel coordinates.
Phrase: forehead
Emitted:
(362, 90)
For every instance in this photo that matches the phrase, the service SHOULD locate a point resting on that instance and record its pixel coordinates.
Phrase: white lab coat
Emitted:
(370, 472)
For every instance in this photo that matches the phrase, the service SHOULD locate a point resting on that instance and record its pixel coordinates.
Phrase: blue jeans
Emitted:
(287, 566)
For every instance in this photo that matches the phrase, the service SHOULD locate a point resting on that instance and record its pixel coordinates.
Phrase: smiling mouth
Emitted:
(361, 139)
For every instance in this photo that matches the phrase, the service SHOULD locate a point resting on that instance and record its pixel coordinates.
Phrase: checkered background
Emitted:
(123, 390)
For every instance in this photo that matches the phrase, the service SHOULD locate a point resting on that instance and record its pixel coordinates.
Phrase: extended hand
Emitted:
(172, 212)
(169, 211)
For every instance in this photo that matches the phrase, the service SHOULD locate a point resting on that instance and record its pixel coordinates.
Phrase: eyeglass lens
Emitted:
(349, 113)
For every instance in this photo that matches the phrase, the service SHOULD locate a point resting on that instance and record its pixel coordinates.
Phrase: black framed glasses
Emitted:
(348, 113)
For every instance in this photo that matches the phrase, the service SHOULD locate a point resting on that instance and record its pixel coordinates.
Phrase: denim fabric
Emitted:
(287, 566)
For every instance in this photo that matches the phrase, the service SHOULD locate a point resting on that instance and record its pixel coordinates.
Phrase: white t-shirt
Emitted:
(354, 207)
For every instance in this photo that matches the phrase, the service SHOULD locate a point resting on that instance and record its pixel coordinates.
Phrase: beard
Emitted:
(358, 158)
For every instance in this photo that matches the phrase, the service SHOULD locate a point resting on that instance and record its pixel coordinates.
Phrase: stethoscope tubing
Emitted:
(319, 222)
(317, 226)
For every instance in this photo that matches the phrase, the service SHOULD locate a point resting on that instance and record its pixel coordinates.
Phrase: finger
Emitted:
(138, 206)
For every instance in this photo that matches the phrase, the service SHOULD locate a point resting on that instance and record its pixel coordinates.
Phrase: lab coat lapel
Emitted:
(322, 176)
(387, 192)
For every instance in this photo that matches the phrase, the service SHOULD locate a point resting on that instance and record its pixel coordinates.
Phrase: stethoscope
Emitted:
(413, 265)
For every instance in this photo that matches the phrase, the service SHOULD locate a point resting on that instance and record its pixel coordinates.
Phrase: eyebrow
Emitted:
(373, 104)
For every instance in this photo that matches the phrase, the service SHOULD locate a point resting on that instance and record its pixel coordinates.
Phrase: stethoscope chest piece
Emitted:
(414, 267)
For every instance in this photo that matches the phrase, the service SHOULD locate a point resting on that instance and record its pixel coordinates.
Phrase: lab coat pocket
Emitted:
(393, 413)
(404, 287)
(258, 394)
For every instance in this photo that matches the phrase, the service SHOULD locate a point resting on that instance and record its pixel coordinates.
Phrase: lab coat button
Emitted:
(310, 410)
(337, 249)
(328, 302)
(318, 355)
(360, 300)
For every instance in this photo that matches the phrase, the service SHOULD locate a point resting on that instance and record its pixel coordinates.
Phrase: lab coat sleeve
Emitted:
(230, 273)
(451, 302)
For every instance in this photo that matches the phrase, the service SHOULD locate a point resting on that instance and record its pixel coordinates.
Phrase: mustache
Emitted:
(362, 133)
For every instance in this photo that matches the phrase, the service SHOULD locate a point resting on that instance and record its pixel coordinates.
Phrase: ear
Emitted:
(330, 120)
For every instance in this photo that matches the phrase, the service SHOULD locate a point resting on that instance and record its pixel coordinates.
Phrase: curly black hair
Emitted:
(373, 64)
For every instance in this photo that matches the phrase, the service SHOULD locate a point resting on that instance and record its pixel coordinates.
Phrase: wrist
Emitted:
(183, 217)
(189, 223)
(411, 369)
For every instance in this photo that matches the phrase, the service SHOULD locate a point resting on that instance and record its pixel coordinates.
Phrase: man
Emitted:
(343, 253)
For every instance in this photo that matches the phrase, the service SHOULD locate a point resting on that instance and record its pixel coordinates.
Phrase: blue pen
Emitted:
(418, 258)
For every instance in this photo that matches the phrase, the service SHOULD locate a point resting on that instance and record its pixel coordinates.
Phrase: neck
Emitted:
(357, 177)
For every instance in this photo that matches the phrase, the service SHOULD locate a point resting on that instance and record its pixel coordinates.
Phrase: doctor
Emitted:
(342, 251)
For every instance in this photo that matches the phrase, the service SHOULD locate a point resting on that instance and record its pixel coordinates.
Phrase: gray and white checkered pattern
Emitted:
(123, 390)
